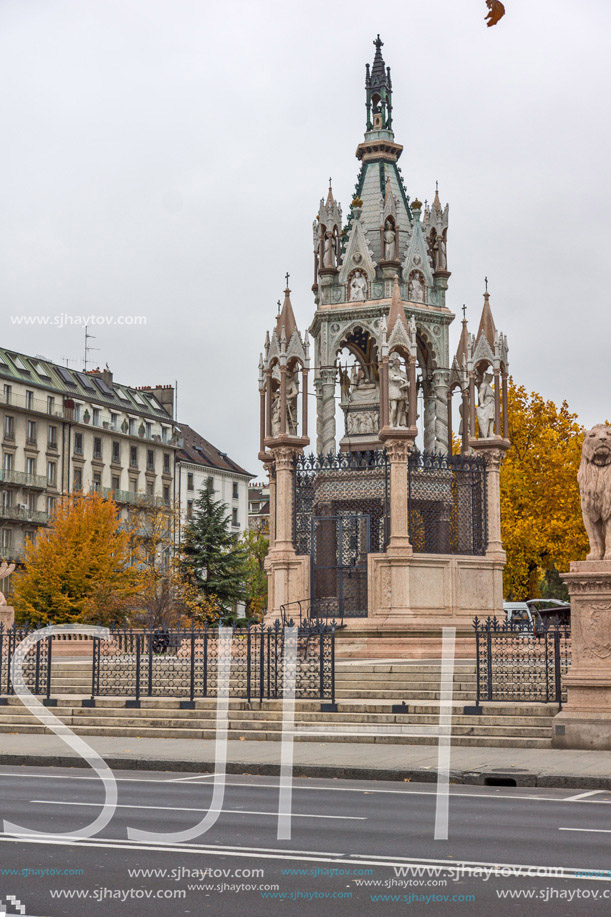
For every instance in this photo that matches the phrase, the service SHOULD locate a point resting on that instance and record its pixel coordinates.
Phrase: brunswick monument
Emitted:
(393, 523)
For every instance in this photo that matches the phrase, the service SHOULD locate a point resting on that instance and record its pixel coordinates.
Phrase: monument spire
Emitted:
(378, 89)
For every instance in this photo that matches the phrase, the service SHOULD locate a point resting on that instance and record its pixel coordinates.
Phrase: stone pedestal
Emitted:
(585, 721)
(7, 616)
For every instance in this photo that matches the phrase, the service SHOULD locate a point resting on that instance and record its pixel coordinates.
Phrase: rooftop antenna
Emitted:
(88, 337)
(68, 361)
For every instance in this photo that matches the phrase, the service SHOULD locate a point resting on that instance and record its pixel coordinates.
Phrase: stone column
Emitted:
(272, 503)
(283, 461)
(327, 377)
(398, 453)
(466, 420)
(429, 416)
(442, 443)
(319, 413)
(585, 720)
(493, 451)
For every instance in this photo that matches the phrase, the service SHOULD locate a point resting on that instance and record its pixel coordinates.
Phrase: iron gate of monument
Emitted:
(447, 503)
(340, 516)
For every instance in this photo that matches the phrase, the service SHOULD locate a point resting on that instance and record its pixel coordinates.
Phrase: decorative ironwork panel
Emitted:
(447, 504)
(517, 664)
(340, 545)
(346, 484)
(184, 663)
(36, 665)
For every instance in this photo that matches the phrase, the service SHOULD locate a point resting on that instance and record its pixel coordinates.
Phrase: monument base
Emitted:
(585, 721)
(7, 616)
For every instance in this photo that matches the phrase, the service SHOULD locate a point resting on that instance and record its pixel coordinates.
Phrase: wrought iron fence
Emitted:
(346, 484)
(517, 664)
(36, 665)
(184, 663)
(447, 503)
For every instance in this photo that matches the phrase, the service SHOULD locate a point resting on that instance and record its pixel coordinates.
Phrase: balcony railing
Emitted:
(134, 499)
(23, 479)
(23, 514)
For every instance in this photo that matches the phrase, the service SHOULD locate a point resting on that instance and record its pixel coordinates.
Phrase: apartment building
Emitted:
(65, 431)
(199, 464)
(258, 506)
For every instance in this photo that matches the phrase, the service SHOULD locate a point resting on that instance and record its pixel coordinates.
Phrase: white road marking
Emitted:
(96, 805)
(185, 779)
(589, 830)
(466, 866)
(583, 795)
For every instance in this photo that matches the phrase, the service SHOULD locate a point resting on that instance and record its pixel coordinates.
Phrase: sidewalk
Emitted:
(544, 767)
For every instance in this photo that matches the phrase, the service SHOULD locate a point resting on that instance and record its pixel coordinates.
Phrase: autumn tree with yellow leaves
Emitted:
(81, 568)
(540, 509)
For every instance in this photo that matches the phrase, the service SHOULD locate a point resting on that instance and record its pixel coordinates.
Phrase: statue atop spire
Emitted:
(378, 88)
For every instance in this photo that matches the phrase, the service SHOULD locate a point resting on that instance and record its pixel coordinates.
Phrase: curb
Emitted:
(486, 776)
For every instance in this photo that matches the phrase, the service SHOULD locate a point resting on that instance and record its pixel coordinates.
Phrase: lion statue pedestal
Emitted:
(585, 721)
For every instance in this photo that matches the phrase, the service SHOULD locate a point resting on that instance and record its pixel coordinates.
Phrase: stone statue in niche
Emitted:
(442, 260)
(362, 388)
(329, 250)
(276, 413)
(292, 391)
(415, 292)
(594, 477)
(398, 389)
(485, 408)
(358, 287)
(390, 241)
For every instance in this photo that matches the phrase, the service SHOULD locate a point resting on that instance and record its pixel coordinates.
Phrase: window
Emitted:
(150, 459)
(189, 509)
(166, 462)
(97, 481)
(150, 488)
(31, 431)
(6, 545)
(114, 421)
(77, 412)
(166, 493)
(50, 404)
(235, 490)
(51, 473)
(50, 505)
(9, 426)
(52, 436)
(97, 417)
(8, 389)
(164, 435)
(78, 443)
(133, 485)
(116, 482)
(31, 501)
(149, 431)
(133, 456)
(234, 517)
(97, 447)
(190, 482)
(30, 466)
(29, 400)
(7, 499)
(210, 483)
(132, 426)
(77, 484)
(116, 452)
(7, 461)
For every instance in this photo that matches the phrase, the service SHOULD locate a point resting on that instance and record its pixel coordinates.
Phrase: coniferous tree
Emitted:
(212, 557)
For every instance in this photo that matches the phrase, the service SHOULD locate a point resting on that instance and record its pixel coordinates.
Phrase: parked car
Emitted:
(535, 615)
(520, 615)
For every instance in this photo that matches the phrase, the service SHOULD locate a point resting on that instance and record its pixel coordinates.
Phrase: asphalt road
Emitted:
(356, 848)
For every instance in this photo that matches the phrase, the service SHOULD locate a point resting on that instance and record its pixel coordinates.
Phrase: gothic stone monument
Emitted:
(382, 525)
(585, 721)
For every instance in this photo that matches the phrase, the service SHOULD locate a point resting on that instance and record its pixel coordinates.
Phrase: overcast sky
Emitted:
(165, 158)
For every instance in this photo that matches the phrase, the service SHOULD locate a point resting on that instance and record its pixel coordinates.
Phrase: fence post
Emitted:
(262, 663)
(248, 668)
(48, 702)
(90, 701)
(37, 671)
(3, 700)
(136, 701)
(557, 669)
(190, 704)
(489, 659)
(150, 655)
(332, 706)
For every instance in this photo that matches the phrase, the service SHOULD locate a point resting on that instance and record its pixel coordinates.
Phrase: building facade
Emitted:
(65, 431)
(200, 465)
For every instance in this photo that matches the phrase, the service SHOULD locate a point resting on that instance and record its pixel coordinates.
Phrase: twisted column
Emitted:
(429, 416)
(327, 378)
(441, 412)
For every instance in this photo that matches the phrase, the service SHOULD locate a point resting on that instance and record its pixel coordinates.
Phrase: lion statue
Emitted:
(594, 477)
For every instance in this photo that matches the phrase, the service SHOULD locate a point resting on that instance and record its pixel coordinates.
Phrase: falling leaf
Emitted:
(496, 11)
